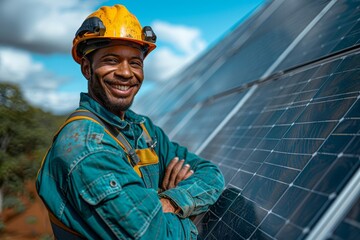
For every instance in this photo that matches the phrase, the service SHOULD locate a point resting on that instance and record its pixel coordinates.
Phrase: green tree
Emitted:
(25, 133)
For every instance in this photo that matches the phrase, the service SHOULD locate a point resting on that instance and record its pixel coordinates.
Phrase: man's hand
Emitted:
(167, 206)
(175, 173)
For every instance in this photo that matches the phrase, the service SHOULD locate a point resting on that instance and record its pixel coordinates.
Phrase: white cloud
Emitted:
(163, 64)
(16, 66)
(54, 101)
(40, 87)
(180, 45)
(41, 25)
(186, 39)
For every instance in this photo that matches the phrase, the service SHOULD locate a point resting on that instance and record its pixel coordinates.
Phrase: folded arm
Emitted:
(201, 189)
(114, 201)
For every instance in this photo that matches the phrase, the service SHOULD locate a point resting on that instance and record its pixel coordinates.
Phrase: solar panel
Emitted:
(276, 105)
(200, 125)
(338, 29)
(236, 60)
(287, 153)
(193, 71)
(193, 77)
(261, 49)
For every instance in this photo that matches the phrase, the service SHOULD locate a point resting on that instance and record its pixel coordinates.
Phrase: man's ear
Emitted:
(86, 68)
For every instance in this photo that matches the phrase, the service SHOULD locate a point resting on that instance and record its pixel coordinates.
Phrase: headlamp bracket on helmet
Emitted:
(148, 34)
(91, 25)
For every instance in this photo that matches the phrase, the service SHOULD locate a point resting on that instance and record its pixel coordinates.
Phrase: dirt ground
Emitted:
(32, 224)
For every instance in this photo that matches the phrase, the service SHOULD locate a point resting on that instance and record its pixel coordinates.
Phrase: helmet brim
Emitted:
(87, 45)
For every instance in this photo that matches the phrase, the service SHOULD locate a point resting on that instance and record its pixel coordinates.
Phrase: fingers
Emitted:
(189, 173)
(168, 171)
(184, 173)
(175, 172)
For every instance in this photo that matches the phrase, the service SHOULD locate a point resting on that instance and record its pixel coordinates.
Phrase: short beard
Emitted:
(116, 109)
(100, 96)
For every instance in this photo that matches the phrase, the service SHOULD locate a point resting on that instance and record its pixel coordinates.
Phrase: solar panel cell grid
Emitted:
(285, 161)
(174, 120)
(201, 125)
(338, 29)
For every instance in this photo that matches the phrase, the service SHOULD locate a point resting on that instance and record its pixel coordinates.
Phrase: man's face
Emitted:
(115, 75)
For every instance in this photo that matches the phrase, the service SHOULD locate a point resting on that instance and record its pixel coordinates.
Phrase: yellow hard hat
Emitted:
(107, 25)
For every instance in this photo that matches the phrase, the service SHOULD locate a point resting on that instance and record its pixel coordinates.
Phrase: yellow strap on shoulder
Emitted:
(143, 157)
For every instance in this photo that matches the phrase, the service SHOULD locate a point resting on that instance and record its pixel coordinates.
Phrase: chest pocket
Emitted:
(147, 156)
(138, 158)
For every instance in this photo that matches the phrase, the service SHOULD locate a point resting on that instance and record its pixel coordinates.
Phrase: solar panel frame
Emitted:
(348, 228)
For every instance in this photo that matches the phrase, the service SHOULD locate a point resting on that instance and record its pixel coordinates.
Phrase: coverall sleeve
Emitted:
(114, 202)
(195, 194)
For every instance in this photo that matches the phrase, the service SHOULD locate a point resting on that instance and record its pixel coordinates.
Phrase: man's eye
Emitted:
(110, 60)
(136, 63)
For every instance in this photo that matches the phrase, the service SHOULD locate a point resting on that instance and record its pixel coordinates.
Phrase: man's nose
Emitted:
(124, 70)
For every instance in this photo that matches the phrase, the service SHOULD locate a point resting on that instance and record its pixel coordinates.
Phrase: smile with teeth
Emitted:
(121, 87)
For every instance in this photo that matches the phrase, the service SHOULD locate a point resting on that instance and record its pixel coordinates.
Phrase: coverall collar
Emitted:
(88, 103)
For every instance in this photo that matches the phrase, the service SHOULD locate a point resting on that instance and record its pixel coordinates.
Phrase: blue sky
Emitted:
(36, 39)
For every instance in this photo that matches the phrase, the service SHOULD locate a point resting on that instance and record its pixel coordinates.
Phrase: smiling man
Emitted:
(117, 77)
(111, 173)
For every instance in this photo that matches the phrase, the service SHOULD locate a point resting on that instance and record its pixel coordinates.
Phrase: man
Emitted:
(91, 180)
